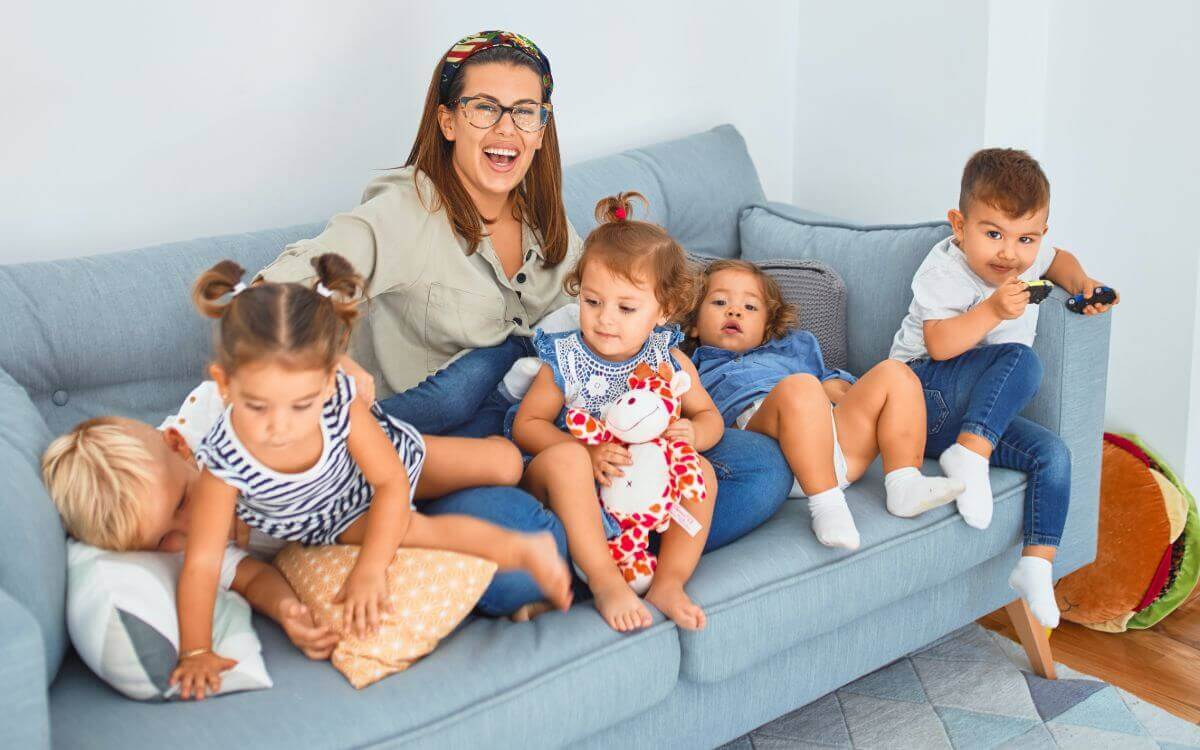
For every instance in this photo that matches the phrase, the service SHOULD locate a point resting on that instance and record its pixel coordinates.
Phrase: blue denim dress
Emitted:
(735, 381)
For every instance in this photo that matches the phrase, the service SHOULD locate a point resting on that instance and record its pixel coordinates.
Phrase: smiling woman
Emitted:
(464, 247)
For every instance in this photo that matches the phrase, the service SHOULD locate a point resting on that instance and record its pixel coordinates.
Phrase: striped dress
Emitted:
(316, 505)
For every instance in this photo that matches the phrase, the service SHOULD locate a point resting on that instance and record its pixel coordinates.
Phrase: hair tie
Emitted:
(620, 213)
(238, 288)
(323, 290)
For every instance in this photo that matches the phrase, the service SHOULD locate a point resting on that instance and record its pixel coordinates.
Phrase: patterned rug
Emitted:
(973, 689)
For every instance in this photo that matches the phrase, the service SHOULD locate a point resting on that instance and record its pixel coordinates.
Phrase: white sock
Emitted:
(1033, 579)
(831, 519)
(911, 493)
(970, 468)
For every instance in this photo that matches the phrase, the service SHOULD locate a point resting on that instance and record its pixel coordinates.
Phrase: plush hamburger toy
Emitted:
(1148, 550)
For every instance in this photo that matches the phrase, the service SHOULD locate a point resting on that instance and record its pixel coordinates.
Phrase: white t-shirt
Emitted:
(946, 287)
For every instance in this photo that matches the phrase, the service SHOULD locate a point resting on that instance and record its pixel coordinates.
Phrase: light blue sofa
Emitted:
(789, 620)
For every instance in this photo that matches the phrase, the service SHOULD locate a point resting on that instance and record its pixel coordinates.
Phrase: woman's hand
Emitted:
(315, 639)
(364, 382)
(607, 460)
(682, 429)
(364, 595)
(200, 675)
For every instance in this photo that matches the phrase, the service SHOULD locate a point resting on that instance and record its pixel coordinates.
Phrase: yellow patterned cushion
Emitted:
(431, 591)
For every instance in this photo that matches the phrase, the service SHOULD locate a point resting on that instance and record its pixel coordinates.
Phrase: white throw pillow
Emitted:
(122, 620)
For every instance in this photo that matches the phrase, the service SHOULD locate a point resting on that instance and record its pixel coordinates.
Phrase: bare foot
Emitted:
(671, 600)
(620, 607)
(539, 558)
(527, 612)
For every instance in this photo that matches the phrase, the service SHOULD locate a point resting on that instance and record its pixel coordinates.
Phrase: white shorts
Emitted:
(839, 458)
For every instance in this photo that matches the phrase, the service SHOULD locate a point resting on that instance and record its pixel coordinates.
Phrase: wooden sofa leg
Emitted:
(1033, 638)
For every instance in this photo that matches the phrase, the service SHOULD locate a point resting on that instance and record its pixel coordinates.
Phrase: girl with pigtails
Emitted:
(296, 456)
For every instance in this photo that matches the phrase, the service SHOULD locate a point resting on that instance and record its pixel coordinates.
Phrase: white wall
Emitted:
(890, 102)
(131, 123)
(1122, 154)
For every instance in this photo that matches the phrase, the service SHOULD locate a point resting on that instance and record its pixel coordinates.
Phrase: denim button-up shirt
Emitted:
(735, 381)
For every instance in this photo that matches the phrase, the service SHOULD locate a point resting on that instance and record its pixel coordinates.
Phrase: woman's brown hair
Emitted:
(303, 328)
(782, 316)
(634, 250)
(538, 199)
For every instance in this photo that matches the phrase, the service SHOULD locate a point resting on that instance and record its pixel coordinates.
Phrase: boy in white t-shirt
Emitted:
(968, 336)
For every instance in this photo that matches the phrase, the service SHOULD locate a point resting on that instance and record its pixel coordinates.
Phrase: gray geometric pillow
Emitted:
(819, 296)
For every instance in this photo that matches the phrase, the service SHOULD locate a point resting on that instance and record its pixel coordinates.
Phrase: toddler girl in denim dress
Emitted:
(768, 377)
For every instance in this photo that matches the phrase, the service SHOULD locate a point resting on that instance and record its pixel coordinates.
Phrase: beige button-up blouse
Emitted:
(427, 300)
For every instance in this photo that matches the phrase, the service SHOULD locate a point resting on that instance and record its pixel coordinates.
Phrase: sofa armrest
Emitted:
(1074, 353)
(24, 712)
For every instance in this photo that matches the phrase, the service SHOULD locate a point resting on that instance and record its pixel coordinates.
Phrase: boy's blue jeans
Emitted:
(463, 400)
(981, 392)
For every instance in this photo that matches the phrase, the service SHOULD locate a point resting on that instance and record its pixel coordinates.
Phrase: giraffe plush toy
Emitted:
(663, 473)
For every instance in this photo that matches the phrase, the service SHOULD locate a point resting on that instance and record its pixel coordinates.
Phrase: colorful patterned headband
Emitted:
(468, 46)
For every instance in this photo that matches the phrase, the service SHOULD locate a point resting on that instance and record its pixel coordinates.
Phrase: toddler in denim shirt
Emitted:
(766, 377)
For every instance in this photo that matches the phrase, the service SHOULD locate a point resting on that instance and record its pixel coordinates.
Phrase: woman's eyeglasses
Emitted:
(484, 113)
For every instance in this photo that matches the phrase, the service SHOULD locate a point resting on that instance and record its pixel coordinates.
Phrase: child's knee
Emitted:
(1026, 375)
(800, 390)
(567, 457)
(508, 464)
(898, 374)
(1055, 459)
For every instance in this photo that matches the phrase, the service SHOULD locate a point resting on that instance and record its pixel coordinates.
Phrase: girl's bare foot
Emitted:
(539, 557)
(527, 612)
(673, 602)
(620, 607)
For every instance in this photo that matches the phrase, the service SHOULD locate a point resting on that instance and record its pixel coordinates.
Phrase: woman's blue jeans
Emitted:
(982, 391)
(463, 400)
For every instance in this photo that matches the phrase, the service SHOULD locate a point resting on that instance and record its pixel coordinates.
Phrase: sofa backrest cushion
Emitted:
(877, 264)
(117, 334)
(695, 186)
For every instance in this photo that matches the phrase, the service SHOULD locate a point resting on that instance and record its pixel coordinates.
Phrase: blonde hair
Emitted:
(94, 474)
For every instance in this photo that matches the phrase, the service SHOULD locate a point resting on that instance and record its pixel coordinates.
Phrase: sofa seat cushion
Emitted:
(548, 682)
(778, 586)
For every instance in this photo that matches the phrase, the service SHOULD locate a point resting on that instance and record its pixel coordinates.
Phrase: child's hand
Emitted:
(314, 639)
(200, 675)
(681, 429)
(365, 595)
(1010, 299)
(364, 383)
(607, 460)
(1089, 288)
